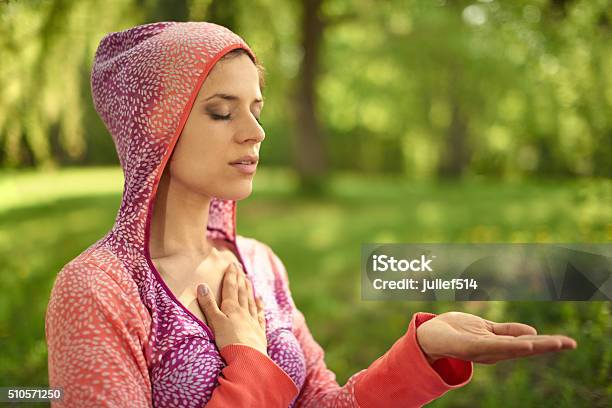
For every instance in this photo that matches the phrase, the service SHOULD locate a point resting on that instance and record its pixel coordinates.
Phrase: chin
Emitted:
(238, 191)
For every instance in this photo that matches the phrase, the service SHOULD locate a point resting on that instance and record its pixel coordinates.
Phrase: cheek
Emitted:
(200, 159)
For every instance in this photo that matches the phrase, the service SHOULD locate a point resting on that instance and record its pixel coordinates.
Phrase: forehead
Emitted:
(233, 75)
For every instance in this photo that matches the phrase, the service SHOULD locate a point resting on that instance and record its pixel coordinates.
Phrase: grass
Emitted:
(46, 219)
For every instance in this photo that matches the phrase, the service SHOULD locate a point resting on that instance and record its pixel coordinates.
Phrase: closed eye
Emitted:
(227, 117)
(219, 117)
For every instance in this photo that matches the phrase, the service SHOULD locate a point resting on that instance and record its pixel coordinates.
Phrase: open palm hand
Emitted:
(471, 338)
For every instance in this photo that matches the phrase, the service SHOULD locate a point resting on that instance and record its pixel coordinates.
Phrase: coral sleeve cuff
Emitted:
(453, 372)
(403, 376)
(252, 378)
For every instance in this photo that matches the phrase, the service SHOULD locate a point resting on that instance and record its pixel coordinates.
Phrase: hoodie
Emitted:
(116, 334)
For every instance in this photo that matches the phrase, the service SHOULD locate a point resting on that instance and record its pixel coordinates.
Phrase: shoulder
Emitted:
(81, 277)
(87, 285)
(91, 273)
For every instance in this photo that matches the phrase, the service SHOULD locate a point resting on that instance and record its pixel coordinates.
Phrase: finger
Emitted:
(260, 312)
(208, 304)
(553, 341)
(512, 329)
(558, 339)
(539, 347)
(230, 290)
(491, 358)
(504, 347)
(243, 299)
(252, 305)
(498, 345)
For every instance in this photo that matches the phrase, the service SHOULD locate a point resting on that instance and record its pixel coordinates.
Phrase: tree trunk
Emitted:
(455, 157)
(309, 155)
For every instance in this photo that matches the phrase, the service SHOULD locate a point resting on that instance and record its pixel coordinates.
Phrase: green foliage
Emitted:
(525, 87)
(46, 219)
(421, 88)
(47, 48)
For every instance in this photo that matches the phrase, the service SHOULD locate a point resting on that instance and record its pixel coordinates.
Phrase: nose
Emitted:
(252, 131)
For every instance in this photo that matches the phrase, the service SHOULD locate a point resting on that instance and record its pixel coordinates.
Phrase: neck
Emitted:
(178, 224)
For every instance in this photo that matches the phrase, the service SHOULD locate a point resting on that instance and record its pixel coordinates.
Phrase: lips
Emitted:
(249, 159)
(246, 164)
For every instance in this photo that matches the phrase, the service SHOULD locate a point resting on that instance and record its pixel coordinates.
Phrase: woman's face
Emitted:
(221, 131)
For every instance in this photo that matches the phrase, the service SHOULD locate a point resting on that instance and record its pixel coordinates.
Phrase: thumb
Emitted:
(208, 304)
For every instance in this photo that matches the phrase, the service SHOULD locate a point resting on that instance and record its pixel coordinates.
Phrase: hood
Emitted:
(144, 82)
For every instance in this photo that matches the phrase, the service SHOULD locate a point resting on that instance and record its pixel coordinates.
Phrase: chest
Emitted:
(185, 293)
(189, 363)
(183, 275)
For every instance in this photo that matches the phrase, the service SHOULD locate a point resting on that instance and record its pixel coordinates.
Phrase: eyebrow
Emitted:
(229, 97)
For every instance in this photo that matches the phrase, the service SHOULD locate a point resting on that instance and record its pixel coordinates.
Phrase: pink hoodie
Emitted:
(117, 336)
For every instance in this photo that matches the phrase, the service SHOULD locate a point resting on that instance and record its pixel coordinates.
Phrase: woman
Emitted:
(162, 311)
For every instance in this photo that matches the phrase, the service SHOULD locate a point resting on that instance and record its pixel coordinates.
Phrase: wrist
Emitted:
(430, 357)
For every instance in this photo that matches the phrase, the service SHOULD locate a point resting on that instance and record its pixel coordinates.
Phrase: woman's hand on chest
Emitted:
(240, 316)
(182, 273)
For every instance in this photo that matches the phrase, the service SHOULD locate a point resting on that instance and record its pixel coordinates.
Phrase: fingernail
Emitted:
(202, 290)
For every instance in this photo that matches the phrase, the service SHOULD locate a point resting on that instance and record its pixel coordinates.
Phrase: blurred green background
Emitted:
(386, 121)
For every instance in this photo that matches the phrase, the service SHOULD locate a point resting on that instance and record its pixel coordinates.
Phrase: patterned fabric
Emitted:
(116, 334)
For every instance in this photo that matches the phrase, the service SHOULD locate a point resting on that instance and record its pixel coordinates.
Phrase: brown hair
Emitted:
(260, 69)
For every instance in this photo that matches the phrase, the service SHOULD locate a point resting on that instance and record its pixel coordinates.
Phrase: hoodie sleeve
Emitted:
(94, 338)
(251, 379)
(400, 377)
